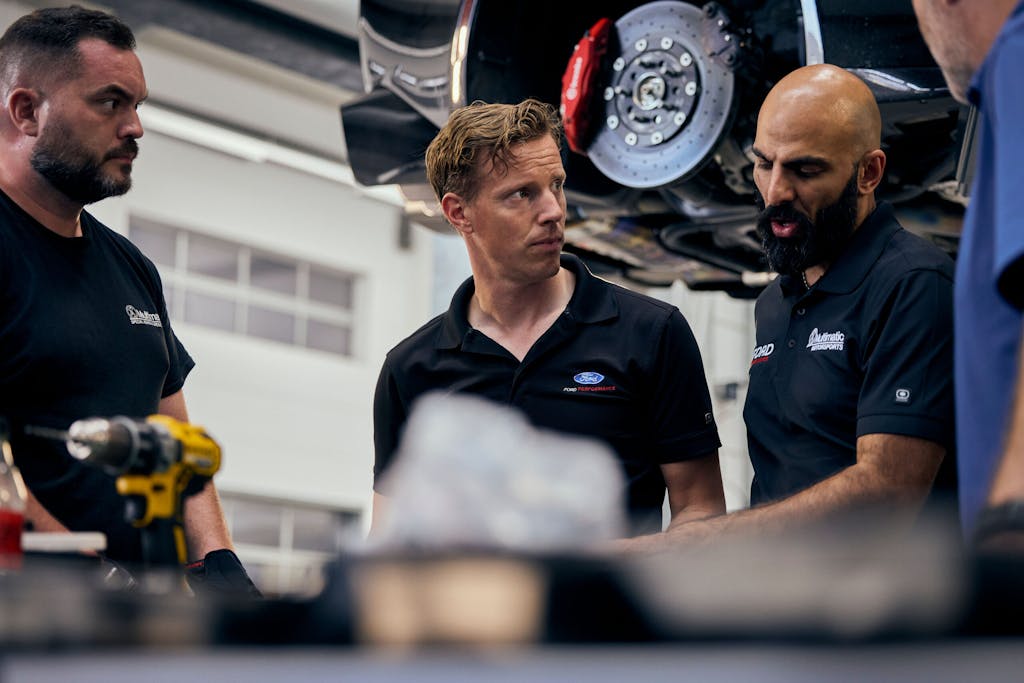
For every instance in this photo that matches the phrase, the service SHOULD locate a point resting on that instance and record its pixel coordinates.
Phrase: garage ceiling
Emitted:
(314, 38)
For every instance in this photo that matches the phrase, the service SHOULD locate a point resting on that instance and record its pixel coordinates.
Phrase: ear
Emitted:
(456, 210)
(870, 172)
(23, 105)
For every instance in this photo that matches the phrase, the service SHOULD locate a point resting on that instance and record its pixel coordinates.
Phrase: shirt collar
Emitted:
(865, 247)
(976, 91)
(590, 303)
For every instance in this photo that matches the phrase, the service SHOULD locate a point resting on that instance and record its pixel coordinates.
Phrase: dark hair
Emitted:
(481, 132)
(46, 41)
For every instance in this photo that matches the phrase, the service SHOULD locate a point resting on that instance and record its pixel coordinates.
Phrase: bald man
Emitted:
(980, 46)
(849, 403)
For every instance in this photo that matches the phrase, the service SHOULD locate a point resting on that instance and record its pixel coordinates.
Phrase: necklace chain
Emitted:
(803, 276)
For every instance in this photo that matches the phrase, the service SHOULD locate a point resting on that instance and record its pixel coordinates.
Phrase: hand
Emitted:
(220, 573)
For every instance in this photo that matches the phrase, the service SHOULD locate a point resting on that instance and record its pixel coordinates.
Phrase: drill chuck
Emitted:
(117, 444)
(121, 445)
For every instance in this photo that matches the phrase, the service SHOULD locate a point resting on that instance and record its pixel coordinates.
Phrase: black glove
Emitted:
(220, 573)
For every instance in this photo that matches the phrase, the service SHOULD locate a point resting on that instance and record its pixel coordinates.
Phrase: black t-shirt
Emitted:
(84, 332)
(868, 350)
(617, 366)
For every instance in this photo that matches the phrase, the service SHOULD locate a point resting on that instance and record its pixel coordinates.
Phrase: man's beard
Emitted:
(814, 242)
(70, 168)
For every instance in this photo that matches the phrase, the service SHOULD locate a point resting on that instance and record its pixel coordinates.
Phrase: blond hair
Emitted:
(482, 132)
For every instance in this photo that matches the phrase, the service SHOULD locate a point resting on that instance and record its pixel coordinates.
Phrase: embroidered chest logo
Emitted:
(137, 317)
(588, 382)
(761, 354)
(826, 341)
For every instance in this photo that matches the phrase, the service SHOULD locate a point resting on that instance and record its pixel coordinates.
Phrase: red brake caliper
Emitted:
(579, 83)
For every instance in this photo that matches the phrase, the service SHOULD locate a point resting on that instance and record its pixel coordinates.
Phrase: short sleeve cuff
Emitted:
(688, 447)
(916, 426)
(176, 385)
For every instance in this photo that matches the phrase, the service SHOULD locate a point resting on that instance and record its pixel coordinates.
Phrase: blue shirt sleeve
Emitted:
(1006, 101)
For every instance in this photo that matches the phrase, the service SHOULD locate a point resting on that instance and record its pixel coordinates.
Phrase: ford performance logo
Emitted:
(588, 378)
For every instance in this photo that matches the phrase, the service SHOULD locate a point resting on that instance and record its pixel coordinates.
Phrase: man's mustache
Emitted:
(785, 213)
(129, 147)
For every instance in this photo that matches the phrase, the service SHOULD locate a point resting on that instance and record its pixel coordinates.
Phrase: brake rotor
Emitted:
(667, 102)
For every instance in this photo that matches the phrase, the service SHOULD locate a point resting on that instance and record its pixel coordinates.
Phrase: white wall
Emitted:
(294, 423)
(724, 328)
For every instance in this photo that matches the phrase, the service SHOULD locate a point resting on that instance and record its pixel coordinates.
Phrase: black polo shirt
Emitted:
(868, 350)
(616, 365)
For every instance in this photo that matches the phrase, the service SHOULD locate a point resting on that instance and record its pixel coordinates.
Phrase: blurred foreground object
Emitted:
(13, 496)
(855, 585)
(856, 578)
(154, 461)
(472, 474)
(853, 577)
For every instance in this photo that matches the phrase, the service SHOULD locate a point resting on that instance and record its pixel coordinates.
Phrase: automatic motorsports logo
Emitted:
(589, 382)
(137, 317)
(826, 341)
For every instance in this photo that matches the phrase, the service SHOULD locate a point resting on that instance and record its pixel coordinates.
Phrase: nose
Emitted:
(132, 127)
(552, 207)
(779, 189)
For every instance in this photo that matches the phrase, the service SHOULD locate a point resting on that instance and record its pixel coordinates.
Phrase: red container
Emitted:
(11, 524)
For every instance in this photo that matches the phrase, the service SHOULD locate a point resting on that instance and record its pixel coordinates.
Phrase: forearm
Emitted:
(202, 516)
(693, 513)
(40, 517)
(849, 488)
(205, 528)
(694, 493)
(694, 489)
(891, 472)
(856, 487)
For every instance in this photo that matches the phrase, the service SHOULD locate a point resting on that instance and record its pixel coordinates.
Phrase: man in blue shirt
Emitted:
(980, 46)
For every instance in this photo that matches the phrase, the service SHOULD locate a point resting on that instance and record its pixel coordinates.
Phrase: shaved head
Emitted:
(829, 100)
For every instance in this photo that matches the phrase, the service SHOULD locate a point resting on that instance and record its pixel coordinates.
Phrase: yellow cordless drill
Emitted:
(153, 460)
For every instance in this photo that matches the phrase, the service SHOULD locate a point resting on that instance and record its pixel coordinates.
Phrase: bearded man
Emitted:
(850, 400)
(84, 329)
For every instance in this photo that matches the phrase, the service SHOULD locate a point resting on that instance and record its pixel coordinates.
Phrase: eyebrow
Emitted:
(120, 92)
(799, 161)
(504, 186)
